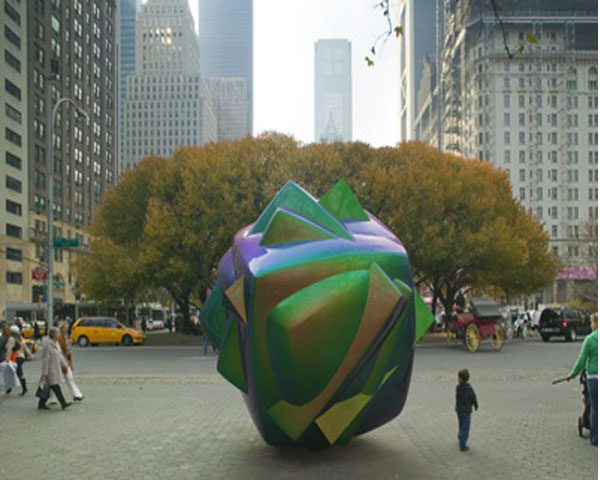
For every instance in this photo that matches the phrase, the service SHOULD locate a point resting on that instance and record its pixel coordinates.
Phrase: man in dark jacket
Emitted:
(465, 401)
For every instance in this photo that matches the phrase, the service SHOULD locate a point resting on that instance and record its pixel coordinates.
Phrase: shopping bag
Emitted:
(43, 391)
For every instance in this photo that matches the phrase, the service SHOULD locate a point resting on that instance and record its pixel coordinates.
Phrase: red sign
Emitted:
(578, 273)
(39, 273)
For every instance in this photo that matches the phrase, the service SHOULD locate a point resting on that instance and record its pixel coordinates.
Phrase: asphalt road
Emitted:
(164, 412)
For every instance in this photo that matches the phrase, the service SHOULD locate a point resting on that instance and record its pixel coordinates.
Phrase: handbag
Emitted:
(43, 391)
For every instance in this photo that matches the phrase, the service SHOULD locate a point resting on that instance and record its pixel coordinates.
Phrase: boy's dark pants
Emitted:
(464, 425)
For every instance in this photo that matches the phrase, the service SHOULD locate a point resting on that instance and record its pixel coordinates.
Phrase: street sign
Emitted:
(65, 242)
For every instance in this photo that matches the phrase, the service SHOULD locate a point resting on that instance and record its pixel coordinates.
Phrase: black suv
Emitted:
(564, 322)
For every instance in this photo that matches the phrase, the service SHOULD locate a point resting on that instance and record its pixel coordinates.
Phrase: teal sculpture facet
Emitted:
(316, 316)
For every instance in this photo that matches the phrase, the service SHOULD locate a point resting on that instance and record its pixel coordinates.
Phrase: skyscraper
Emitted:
(225, 30)
(333, 90)
(80, 38)
(167, 102)
(127, 11)
(418, 41)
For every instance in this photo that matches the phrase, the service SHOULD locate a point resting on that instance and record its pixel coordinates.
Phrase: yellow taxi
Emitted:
(31, 345)
(94, 330)
(27, 330)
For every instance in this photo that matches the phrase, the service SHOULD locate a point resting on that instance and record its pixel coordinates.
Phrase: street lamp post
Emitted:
(50, 178)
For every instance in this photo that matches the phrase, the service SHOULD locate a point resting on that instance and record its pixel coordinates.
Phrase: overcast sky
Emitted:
(284, 35)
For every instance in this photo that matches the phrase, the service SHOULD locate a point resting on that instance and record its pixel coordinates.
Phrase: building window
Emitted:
(14, 254)
(506, 156)
(12, 37)
(14, 278)
(12, 89)
(55, 24)
(14, 208)
(13, 230)
(40, 55)
(12, 136)
(12, 13)
(506, 101)
(539, 213)
(12, 113)
(506, 138)
(12, 61)
(13, 160)
(13, 184)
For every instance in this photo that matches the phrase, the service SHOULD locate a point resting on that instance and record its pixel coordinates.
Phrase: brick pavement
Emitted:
(167, 414)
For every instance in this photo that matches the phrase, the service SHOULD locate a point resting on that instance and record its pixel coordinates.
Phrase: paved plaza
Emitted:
(164, 412)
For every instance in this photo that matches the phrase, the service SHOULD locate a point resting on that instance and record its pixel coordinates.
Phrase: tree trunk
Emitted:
(185, 311)
(183, 303)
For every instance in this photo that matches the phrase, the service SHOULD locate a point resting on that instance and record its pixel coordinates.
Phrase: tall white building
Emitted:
(333, 90)
(533, 114)
(168, 104)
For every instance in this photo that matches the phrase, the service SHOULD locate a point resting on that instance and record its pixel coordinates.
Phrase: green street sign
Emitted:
(65, 242)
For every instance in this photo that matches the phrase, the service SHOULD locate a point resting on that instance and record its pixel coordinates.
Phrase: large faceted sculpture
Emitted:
(316, 317)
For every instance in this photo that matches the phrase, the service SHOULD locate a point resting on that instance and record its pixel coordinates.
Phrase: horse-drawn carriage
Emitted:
(480, 322)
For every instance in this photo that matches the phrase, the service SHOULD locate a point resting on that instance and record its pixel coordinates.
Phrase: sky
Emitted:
(284, 35)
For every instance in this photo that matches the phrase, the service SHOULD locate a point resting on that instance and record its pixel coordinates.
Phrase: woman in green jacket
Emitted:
(588, 359)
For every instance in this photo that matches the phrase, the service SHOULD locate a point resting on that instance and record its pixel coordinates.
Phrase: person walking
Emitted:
(8, 369)
(37, 335)
(466, 400)
(65, 347)
(588, 360)
(20, 353)
(53, 363)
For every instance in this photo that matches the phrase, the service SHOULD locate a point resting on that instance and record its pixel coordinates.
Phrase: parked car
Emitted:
(564, 322)
(155, 324)
(95, 330)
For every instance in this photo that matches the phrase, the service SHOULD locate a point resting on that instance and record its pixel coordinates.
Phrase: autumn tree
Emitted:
(112, 271)
(168, 222)
(204, 196)
(458, 221)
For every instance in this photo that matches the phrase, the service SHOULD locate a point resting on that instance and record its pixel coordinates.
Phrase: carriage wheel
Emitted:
(497, 341)
(472, 337)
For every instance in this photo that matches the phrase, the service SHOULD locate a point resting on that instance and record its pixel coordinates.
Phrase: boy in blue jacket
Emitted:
(465, 401)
